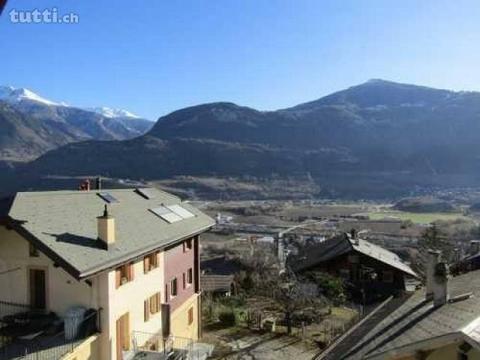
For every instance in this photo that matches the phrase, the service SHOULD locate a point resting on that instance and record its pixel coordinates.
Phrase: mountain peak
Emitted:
(113, 113)
(14, 95)
(378, 81)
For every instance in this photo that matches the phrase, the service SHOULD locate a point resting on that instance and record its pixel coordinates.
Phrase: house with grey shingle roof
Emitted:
(366, 267)
(441, 321)
(218, 284)
(128, 256)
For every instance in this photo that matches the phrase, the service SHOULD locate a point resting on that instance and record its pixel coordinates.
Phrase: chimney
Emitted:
(85, 185)
(432, 261)
(106, 228)
(353, 236)
(440, 285)
(98, 183)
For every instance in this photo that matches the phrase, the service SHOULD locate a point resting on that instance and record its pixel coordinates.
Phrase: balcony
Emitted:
(31, 334)
(148, 346)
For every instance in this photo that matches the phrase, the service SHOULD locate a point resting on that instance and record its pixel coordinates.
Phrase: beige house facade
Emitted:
(109, 257)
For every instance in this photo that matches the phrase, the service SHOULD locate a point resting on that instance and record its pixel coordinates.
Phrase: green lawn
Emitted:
(420, 218)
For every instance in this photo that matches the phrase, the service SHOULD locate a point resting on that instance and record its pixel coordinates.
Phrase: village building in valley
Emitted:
(440, 321)
(372, 271)
(100, 274)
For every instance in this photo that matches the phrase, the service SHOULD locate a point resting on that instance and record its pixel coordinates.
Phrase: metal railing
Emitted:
(172, 347)
(9, 308)
(48, 344)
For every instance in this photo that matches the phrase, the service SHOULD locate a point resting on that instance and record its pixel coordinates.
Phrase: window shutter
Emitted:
(130, 272)
(184, 282)
(146, 310)
(118, 278)
(159, 300)
(146, 264)
(190, 316)
(166, 293)
(151, 301)
(157, 257)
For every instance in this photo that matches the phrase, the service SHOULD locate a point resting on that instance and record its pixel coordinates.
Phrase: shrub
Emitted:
(227, 318)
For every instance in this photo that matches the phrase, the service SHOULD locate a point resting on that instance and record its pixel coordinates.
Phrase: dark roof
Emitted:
(343, 244)
(417, 322)
(63, 224)
(221, 265)
(214, 283)
(324, 251)
(5, 205)
(345, 346)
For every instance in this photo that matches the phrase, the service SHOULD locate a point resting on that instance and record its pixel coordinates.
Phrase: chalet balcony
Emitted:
(31, 334)
(148, 346)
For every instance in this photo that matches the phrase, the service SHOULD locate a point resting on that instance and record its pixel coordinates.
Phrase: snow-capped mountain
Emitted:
(16, 95)
(28, 118)
(113, 113)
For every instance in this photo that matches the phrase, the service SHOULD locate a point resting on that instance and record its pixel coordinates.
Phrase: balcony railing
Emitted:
(29, 334)
(158, 347)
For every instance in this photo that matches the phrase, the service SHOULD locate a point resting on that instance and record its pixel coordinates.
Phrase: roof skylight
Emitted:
(146, 193)
(172, 213)
(108, 197)
(180, 211)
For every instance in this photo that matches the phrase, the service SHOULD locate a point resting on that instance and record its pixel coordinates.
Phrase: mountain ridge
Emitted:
(58, 124)
(376, 137)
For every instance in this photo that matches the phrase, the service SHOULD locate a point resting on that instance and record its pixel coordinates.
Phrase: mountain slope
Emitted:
(49, 125)
(379, 136)
(23, 137)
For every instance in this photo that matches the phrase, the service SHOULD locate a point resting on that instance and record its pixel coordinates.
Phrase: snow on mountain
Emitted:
(16, 95)
(113, 113)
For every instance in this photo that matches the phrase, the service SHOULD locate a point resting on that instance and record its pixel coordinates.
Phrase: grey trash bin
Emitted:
(73, 319)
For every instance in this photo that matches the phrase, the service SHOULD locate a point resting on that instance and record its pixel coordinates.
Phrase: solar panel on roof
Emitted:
(107, 197)
(166, 214)
(180, 211)
(171, 217)
(146, 193)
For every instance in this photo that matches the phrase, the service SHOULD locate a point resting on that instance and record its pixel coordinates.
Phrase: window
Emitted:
(173, 287)
(187, 245)
(150, 262)
(190, 276)
(123, 274)
(190, 316)
(344, 274)
(152, 306)
(387, 276)
(33, 251)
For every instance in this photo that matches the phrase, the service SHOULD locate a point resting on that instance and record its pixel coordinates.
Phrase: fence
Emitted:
(9, 308)
(50, 343)
(173, 347)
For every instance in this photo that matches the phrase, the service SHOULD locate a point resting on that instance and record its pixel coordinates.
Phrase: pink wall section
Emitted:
(177, 263)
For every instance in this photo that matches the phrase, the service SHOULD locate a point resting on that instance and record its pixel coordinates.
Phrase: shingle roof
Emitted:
(358, 332)
(343, 244)
(324, 251)
(381, 254)
(64, 223)
(417, 321)
(212, 283)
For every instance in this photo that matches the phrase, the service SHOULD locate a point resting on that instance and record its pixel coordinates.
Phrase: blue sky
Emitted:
(155, 56)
